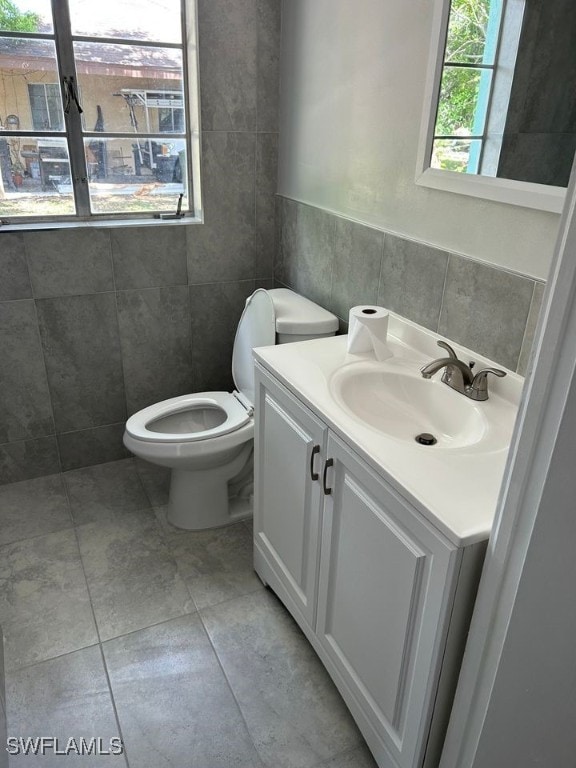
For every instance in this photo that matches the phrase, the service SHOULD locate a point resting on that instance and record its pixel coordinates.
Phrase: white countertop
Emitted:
(456, 489)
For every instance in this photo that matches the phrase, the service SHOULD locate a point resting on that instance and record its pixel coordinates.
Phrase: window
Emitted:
(170, 120)
(45, 106)
(87, 103)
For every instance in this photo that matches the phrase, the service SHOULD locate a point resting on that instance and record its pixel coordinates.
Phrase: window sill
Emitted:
(99, 224)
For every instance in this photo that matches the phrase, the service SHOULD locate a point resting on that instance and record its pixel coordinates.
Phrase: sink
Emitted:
(377, 408)
(402, 405)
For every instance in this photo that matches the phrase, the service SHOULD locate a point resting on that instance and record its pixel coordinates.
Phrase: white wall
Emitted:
(352, 84)
(515, 704)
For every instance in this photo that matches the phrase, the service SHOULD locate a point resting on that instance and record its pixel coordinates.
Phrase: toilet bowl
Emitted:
(206, 438)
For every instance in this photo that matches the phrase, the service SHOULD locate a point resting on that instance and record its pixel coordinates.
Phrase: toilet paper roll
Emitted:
(368, 331)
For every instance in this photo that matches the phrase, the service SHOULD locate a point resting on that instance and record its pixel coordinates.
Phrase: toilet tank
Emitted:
(299, 319)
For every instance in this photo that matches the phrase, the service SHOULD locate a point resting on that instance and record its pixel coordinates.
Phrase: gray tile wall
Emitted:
(3, 731)
(341, 263)
(96, 324)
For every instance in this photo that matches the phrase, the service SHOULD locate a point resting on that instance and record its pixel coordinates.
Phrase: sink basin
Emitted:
(402, 405)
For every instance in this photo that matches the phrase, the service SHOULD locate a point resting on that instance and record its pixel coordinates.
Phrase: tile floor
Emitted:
(118, 625)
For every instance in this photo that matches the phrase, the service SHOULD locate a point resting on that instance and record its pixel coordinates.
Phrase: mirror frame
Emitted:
(529, 195)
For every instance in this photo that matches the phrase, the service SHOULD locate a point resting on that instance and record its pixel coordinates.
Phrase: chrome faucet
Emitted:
(460, 376)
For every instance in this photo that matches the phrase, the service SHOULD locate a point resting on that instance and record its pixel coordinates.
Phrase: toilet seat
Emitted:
(235, 413)
(256, 328)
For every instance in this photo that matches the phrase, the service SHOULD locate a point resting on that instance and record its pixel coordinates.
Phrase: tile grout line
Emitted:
(189, 330)
(113, 702)
(120, 345)
(230, 688)
(38, 535)
(142, 486)
(332, 245)
(104, 665)
(525, 334)
(24, 667)
(381, 270)
(60, 434)
(44, 363)
(349, 751)
(148, 626)
(164, 538)
(257, 142)
(443, 292)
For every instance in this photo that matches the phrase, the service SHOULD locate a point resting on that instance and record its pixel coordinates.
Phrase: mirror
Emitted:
(500, 118)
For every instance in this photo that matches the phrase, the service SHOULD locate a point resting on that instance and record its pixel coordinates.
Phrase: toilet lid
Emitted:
(257, 328)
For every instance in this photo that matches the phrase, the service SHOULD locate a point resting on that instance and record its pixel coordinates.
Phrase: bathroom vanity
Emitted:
(373, 542)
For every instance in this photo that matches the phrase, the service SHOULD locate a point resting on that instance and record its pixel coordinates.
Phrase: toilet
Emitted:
(206, 438)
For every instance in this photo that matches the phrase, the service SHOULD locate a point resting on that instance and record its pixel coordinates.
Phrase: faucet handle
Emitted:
(453, 376)
(447, 347)
(478, 390)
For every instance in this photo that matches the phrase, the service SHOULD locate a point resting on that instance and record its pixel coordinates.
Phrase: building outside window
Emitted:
(92, 97)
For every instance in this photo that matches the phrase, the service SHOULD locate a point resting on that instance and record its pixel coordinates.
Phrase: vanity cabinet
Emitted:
(384, 597)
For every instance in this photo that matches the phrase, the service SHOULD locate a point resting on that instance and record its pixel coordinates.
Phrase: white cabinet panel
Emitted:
(290, 445)
(374, 574)
(383, 591)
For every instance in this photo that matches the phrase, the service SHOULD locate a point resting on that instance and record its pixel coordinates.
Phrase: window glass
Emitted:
(35, 177)
(25, 62)
(26, 16)
(140, 176)
(467, 27)
(461, 110)
(153, 20)
(122, 79)
(459, 155)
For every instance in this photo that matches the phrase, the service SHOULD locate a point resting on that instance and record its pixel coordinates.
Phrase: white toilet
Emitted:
(206, 438)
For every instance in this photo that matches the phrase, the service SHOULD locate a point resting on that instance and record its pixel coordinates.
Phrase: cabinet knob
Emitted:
(329, 463)
(314, 475)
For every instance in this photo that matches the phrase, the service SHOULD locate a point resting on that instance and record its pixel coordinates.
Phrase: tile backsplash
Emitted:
(341, 263)
(3, 728)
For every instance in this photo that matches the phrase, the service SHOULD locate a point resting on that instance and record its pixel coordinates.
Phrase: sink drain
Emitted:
(426, 439)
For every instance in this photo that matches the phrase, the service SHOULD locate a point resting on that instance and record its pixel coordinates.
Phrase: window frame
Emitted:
(521, 193)
(74, 135)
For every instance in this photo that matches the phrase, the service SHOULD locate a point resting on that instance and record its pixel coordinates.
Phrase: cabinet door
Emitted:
(289, 451)
(381, 605)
